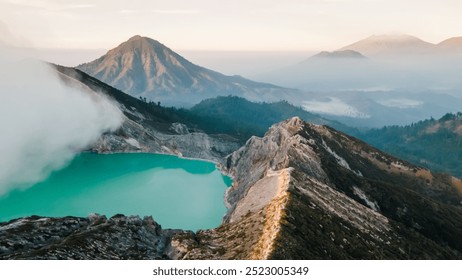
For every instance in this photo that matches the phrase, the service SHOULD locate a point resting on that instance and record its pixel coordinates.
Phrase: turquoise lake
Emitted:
(178, 193)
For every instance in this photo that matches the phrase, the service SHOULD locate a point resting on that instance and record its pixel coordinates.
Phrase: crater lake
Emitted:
(178, 193)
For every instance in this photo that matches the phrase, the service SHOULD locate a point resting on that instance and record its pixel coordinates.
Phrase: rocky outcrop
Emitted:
(132, 137)
(261, 158)
(94, 237)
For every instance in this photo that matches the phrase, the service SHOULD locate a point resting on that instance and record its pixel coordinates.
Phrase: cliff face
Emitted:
(262, 160)
(133, 137)
(365, 204)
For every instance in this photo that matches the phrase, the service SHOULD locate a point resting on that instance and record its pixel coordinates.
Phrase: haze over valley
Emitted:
(399, 80)
(380, 80)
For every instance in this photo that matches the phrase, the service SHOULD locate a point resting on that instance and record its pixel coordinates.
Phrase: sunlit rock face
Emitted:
(309, 192)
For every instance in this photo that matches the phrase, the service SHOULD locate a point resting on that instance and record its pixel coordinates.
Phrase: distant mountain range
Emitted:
(381, 80)
(145, 68)
(391, 45)
(396, 61)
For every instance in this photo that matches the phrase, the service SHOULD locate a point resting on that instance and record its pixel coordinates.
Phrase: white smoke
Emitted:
(44, 123)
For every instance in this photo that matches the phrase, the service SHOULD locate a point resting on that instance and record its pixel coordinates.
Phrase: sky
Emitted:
(237, 25)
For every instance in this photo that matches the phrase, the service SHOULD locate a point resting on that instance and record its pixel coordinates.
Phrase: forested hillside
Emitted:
(238, 116)
(436, 144)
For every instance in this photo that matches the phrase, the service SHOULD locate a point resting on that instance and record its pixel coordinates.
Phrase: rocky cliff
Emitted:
(148, 127)
(309, 192)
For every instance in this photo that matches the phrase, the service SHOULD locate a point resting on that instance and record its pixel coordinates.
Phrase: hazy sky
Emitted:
(227, 25)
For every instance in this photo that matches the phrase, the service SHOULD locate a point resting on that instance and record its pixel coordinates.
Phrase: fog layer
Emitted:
(43, 122)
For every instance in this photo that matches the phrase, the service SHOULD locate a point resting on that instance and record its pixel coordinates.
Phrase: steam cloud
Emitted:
(44, 123)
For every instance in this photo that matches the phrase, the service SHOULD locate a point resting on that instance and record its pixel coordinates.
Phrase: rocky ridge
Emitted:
(309, 192)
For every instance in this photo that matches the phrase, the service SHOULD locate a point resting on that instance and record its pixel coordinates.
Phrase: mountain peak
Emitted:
(390, 45)
(451, 44)
(138, 65)
(138, 38)
(135, 38)
(393, 37)
(144, 67)
(137, 42)
(452, 40)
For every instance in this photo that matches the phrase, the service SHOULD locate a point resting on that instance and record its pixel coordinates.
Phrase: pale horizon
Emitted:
(243, 37)
(337, 47)
(207, 25)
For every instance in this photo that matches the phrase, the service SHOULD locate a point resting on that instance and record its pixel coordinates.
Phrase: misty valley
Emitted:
(180, 193)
